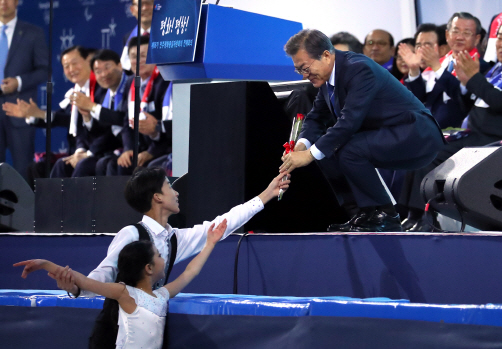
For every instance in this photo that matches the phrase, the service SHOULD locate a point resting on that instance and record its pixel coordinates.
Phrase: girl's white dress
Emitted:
(144, 328)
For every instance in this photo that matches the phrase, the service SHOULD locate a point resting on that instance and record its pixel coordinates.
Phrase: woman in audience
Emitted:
(399, 67)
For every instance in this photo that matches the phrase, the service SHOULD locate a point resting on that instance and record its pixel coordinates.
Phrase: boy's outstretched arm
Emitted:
(194, 267)
(109, 290)
(273, 188)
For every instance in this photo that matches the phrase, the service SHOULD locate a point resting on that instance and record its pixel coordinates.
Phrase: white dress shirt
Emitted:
(190, 241)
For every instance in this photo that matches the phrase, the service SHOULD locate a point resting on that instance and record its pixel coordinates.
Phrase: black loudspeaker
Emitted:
(468, 187)
(17, 201)
(237, 132)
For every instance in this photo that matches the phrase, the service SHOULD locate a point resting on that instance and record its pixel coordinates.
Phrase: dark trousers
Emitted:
(20, 141)
(411, 196)
(352, 174)
(84, 168)
(107, 166)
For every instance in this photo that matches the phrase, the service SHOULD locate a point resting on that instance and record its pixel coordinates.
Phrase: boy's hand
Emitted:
(31, 266)
(215, 234)
(65, 280)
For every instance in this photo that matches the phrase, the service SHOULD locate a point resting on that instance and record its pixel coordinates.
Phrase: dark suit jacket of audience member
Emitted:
(452, 112)
(99, 139)
(485, 121)
(164, 144)
(28, 59)
(371, 99)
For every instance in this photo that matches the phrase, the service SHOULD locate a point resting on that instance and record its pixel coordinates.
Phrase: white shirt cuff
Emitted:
(316, 153)
(305, 141)
(412, 78)
(97, 112)
(88, 124)
(19, 83)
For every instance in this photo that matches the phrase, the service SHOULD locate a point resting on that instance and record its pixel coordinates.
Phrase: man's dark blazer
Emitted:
(448, 114)
(164, 144)
(369, 98)
(451, 113)
(28, 59)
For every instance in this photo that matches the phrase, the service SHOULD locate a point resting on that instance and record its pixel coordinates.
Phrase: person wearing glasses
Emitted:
(439, 88)
(379, 46)
(378, 123)
(146, 23)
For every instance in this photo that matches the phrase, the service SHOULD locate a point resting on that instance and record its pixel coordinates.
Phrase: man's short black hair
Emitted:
(425, 28)
(464, 15)
(143, 40)
(140, 188)
(312, 41)
(442, 35)
(83, 52)
(348, 39)
(105, 55)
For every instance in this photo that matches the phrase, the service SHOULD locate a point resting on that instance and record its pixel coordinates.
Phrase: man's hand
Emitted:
(74, 159)
(81, 101)
(295, 159)
(9, 85)
(215, 234)
(275, 186)
(23, 109)
(124, 159)
(144, 157)
(148, 126)
(86, 114)
(466, 67)
(412, 59)
(430, 55)
(300, 146)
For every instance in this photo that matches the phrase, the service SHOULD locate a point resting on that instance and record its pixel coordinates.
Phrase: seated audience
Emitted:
(484, 124)
(379, 46)
(399, 67)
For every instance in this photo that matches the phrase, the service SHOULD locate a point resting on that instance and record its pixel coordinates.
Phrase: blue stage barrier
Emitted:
(237, 321)
(424, 268)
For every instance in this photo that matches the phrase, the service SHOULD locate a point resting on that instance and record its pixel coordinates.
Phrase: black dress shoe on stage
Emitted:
(408, 223)
(422, 225)
(379, 221)
(359, 218)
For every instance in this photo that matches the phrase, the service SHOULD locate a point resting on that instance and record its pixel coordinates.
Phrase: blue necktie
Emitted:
(4, 51)
(450, 66)
(334, 105)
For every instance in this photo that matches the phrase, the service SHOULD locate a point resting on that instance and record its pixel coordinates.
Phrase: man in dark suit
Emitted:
(23, 66)
(378, 123)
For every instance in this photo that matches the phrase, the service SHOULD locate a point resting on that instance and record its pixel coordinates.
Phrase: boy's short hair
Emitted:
(140, 188)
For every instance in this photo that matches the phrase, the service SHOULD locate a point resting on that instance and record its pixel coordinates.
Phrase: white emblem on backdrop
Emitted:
(66, 39)
(87, 14)
(106, 33)
(45, 6)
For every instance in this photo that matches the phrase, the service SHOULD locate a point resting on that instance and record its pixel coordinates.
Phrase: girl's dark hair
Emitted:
(394, 71)
(132, 261)
(142, 185)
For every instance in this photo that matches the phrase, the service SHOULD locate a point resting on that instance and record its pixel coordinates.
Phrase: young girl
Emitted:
(142, 312)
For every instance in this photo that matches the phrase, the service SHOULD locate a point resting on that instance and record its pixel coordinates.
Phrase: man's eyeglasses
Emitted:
(378, 43)
(465, 35)
(304, 71)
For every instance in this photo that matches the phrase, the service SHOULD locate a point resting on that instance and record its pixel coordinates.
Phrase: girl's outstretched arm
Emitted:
(193, 268)
(109, 290)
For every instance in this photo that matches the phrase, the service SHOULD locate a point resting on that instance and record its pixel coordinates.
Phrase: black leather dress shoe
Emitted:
(359, 218)
(422, 225)
(379, 221)
(408, 223)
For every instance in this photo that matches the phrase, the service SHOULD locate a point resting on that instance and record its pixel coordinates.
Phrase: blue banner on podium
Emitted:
(173, 36)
